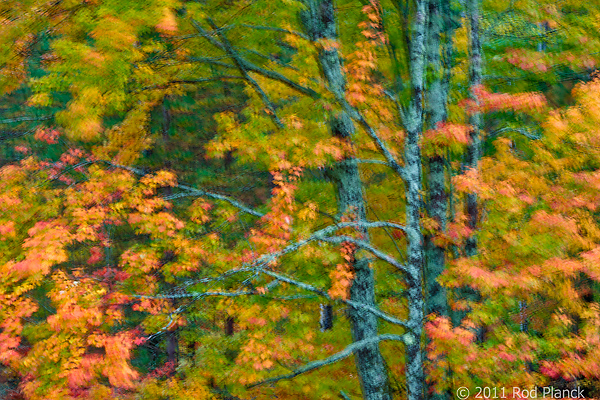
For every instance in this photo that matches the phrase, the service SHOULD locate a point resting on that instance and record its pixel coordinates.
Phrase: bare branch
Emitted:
(347, 352)
(228, 48)
(195, 295)
(323, 236)
(399, 107)
(281, 78)
(344, 395)
(211, 37)
(365, 246)
(522, 131)
(168, 325)
(190, 190)
(321, 292)
(248, 66)
(211, 61)
(368, 224)
(380, 144)
(266, 56)
(259, 265)
(26, 118)
(202, 193)
(12, 134)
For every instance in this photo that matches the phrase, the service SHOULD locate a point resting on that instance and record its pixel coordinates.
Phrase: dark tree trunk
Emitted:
(319, 21)
(326, 317)
(439, 45)
(474, 151)
(173, 347)
(229, 326)
(437, 204)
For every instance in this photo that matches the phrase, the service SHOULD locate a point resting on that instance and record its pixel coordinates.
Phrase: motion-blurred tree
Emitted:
(184, 184)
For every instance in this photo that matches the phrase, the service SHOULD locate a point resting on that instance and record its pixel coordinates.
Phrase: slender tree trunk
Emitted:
(437, 206)
(437, 198)
(474, 151)
(414, 187)
(320, 24)
(173, 347)
(172, 337)
(172, 343)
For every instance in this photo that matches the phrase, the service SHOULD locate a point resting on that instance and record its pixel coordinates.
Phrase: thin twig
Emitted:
(192, 191)
(255, 68)
(380, 144)
(272, 28)
(344, 395)
(228, 48)
(523, 132)
(365, 246)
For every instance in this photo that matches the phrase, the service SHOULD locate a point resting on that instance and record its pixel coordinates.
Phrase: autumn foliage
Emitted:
(188, 188)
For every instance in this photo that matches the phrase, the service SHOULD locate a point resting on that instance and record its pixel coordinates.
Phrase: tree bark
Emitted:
(414, 187)
(319, 22)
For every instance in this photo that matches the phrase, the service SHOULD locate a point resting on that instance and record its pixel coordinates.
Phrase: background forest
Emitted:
(299, 199)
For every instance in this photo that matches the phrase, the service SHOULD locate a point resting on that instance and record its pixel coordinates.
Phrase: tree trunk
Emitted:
(326, 317)
(474, 151)
(437, 198)
(413, 188)
(229, 326)
(173, 348)
(319, 21)
(172, 345)
(437, 207)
